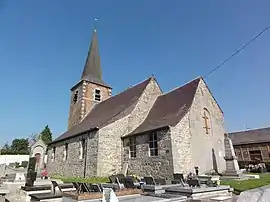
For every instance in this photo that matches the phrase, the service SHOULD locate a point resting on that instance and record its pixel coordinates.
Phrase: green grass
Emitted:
(243, 185)
(93, 180)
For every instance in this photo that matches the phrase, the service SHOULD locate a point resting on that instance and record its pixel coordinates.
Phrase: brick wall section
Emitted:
(73, 165)
(110, 143)
(75, 108)
(160, 166)
(202, 143)
(86, 101)
(181, 146)
(89, 95)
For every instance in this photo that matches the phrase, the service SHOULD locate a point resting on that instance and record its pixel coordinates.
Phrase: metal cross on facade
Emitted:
(206, 126)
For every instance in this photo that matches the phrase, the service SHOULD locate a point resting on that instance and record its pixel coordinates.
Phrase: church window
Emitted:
(153, 144)
(206, 121)
(132, 147)
(75, 97)
(97, 95)
(66, 152)
(82, 149)
(53, 154)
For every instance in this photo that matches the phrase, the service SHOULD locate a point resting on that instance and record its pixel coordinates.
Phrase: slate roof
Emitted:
(104, 113)
(250, 136)
(92, 71)
(169, 108)
(92, 64)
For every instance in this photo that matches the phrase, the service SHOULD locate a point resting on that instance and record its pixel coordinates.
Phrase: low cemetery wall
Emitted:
(7, 159)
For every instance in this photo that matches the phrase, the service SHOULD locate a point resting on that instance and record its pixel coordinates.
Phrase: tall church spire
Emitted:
(90, 89)
(92, 68)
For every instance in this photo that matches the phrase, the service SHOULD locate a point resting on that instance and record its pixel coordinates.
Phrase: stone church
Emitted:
(142, 129)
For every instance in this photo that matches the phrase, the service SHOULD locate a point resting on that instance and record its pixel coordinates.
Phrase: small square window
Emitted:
(97, 95)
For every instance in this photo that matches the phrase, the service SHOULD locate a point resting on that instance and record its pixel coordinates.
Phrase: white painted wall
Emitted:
(7, 159)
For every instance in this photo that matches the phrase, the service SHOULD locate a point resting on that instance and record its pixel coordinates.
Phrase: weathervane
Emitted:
(95, 24)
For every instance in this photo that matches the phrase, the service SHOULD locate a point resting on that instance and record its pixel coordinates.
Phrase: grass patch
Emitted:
(243, 185)
(93, 180)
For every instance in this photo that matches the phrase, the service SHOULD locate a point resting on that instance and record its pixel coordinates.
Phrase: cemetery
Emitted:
(30, 185)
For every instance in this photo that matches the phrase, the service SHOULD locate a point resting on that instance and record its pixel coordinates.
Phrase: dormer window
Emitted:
(75, 97)
(97, 95)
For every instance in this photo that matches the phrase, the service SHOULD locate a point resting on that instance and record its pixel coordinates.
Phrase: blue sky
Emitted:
(43, 45)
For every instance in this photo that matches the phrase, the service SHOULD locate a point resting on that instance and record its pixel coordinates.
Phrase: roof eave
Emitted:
(79, 82)
(75, 135)
(249, 143)
(146, 131)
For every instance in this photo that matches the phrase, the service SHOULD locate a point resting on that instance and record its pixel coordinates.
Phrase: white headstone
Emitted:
(19, 177)
(109, 195)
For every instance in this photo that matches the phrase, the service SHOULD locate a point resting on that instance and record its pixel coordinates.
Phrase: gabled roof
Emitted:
(250, 136)
(169, 108)
(107, 111)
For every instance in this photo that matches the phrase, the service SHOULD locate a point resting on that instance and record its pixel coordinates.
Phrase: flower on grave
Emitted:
(135, 177)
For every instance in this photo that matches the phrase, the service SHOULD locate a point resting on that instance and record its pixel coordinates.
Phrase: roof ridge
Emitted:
(149, 78)
(121, 92)
(249, 130)
(185, 84)
(132, 101)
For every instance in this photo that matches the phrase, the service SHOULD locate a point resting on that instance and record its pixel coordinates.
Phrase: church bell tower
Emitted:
(90, 89)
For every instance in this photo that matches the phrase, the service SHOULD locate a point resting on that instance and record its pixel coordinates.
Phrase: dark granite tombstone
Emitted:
(31, 174)
(196, 170)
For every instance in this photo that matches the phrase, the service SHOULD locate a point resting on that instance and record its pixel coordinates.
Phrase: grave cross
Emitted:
(206, 126)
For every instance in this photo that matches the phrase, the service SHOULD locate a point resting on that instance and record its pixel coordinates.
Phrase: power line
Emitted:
(238, 51)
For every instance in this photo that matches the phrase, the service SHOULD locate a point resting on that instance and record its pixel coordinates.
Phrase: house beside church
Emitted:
(148, 131)
(252, 145)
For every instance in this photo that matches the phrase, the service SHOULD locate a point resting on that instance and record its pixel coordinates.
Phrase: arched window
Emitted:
(53, 153)
(206, 121)
(65, 152)
(82, 148)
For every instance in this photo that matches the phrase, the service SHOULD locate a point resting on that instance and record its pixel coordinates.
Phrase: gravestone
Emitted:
(232, 167)
(31, 173)
(38, 150)
(19, 177)
(109, 195)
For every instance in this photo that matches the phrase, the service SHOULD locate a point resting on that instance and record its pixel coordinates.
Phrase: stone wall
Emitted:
(73, 166)
(181, 146)
(110, 144)
(207, 149)
(143, 164)
(104, 147)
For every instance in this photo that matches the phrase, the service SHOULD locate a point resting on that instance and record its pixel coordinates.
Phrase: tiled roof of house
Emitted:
(169, 108)
(107, 111)
(250, 136)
